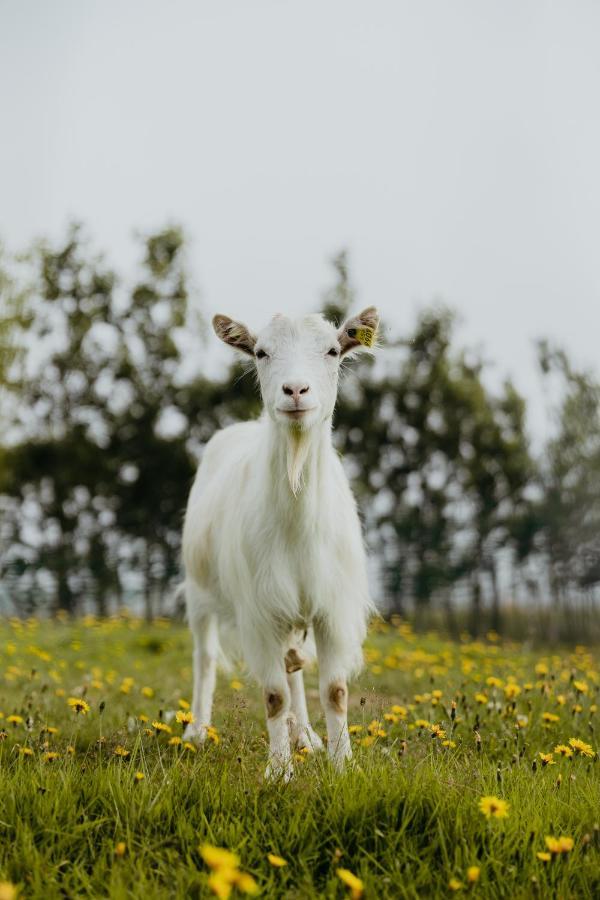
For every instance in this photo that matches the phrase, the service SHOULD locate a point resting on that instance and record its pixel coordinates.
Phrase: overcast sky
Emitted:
(452, 147)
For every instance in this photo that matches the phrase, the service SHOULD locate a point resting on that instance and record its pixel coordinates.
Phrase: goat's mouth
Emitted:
(296, 413)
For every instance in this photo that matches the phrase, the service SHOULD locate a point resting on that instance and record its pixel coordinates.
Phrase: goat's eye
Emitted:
(332, 352)
(260, 354)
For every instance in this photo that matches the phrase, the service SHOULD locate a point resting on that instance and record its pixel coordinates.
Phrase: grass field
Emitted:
(100, 803)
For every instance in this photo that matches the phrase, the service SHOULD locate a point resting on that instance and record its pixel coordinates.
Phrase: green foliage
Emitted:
(104, 420)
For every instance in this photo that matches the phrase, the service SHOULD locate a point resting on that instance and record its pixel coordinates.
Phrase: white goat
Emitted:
(272, 542)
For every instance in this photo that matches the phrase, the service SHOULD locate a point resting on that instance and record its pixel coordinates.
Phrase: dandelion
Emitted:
(455, 885)
(120, 848)
(355, 729)
(351, 881)
(218, 857)
(175, 741)
(277, 861)
(184, 717)
(14, 720)
(189, 746)
(212, 735)
(547, 759)
(220, 884)
(437, 732)
(556, 846)
(582, 748)
(183, 704)
(147, 692)
(50, 756)
(121, 751)
(78, 705)
(245, 883)
(25, 751)
(581, 687)
(493, 807)
(563, 750)
(473, 873)
(7, 891)
(551, 718)
(161, 726)
(139, 776)
(236, 685)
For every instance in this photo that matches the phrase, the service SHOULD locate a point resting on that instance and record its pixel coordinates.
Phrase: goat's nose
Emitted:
(295, 390)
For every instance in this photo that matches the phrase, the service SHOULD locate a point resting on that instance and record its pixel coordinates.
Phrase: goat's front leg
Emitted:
(277, 704)
(334, 696)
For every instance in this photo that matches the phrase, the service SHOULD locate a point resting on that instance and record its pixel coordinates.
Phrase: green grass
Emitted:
(404, 817)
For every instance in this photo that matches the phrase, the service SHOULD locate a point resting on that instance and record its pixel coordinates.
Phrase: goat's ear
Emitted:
(360, 331)
(235, 334)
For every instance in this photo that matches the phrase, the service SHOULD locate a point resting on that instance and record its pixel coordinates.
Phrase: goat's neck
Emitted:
(299, 458)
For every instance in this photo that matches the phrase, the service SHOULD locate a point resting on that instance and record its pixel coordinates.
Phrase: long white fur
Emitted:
(272, 542)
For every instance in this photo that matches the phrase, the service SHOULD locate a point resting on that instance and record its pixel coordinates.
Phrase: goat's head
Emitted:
(298, 361)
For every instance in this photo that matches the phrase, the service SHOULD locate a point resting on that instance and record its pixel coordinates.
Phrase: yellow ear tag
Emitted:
(364, 336)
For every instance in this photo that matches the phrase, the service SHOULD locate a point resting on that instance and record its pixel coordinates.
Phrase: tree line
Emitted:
(106, 406)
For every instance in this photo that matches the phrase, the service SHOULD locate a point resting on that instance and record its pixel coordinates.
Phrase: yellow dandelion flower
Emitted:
(473, 873)
(547, 759)
(189, 746)
(220, 883)
(175, 741)
(120, 848)
(544, 855)
(351, 881)
(355, 729)
(455, 885)
(399, 710)
(71, 750)
(559, 845)
(277, 861)
(581, 687)
(50, 756)
(481, 698)
(184, 717)
(8, 891)
(582, 748)
(147, 692)
(550, 717)
(15, 720)
(563, 750)
(121, 751)
(25, 751)
(245, 883)
(161, 726)
(139, 776)
(183, 704)
(218, 857)
(236, 685)
(78, 705)
(493, 807)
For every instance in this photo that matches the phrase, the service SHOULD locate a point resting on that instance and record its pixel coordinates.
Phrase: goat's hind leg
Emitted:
(206, 649)
(303, 736)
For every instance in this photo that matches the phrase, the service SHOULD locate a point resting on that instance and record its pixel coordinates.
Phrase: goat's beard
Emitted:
(298, 445)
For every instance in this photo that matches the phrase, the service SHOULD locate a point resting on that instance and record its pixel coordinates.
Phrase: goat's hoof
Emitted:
(340, 758)
(306, 738)
(195, 733)
(279, 771)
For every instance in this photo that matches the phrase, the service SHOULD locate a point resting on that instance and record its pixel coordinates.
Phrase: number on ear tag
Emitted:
(364, 335)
